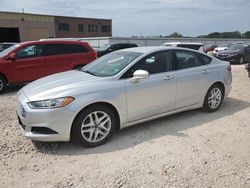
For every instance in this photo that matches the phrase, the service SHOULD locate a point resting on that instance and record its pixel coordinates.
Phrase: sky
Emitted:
(148, 17)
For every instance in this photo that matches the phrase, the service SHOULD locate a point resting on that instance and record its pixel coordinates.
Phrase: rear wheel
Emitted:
(94, 126)
(2, 84)
(213, 98)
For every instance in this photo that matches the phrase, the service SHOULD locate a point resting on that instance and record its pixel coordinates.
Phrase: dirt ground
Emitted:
(191, 149)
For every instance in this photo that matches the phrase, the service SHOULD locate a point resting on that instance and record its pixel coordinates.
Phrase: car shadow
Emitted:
(10, 90)
(126, 138)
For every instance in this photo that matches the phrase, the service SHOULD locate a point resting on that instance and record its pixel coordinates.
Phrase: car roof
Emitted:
(187, 43)
(150, 49)
(54, 42)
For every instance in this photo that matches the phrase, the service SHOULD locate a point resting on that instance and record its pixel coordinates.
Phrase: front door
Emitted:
(28, 64)
(154, 95)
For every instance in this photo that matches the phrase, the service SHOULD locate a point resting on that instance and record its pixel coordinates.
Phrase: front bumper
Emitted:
(56, 121)
(231, 59)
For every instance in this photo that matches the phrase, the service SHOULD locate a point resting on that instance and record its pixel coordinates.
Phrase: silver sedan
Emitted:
(120, 89)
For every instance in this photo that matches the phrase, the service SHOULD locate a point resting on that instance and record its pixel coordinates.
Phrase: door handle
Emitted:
(205, 72)
(168, 77)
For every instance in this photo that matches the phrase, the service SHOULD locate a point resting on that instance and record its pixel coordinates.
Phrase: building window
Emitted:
(63, 26)
(92, 28)
(106, 28)
(80, 27)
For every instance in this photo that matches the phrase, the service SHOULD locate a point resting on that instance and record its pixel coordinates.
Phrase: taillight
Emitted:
(229, 68)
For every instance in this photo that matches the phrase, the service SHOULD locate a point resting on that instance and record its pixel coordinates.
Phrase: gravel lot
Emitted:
(191, 149)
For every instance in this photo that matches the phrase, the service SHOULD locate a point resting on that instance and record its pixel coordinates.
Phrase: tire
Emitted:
(2, 84)
(214, 98)
(242, 59)
(93, 126)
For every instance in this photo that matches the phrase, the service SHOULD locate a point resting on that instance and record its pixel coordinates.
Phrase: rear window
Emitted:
(205, 59)
(190, 46)
(77, 48)
(60, 49)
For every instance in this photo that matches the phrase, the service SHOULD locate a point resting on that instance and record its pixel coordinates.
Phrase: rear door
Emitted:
(192, 78)
(28, 64)
(57, 58)
(80, 55)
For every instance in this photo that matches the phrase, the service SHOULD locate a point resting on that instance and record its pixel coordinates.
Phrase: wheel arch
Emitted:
(5, 77)
(112, 107)
(221, 83)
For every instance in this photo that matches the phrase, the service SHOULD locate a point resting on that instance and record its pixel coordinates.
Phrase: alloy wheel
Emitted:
(214, 98)
(96, 126)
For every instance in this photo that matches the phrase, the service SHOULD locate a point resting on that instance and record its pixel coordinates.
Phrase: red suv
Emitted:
(29, 61)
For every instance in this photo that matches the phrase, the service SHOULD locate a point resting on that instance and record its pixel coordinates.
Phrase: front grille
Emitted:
(23, 112)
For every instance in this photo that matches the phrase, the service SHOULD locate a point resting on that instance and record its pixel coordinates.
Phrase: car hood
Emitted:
(229, 51)
(59, 85)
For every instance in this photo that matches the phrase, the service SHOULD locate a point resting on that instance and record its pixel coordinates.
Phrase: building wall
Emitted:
(31, 27)
(73, 27)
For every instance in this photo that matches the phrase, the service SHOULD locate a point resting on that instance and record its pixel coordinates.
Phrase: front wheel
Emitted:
(2, 84)
(94, 126)
(213, 98)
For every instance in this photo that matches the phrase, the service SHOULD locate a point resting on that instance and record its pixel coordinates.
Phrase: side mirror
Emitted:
(12, 56)
(138, 75)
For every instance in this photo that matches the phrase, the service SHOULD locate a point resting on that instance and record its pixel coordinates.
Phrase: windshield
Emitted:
(3, 53)
(111, 64)
(236, 47)
(104, 47)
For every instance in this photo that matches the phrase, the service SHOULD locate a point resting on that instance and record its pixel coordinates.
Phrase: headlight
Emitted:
(51, 103)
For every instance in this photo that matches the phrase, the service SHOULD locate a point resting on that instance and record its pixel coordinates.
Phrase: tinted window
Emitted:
(106, 28)
(56, 49)
(186, 59)
(92, 28)
(205, 59)
(29, 51)
(76, 48)
(191, 46)
(63, 26)
(80, 27)
(156, 63)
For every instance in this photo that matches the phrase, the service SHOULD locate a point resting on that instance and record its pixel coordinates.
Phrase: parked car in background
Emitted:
(247, 66)
(5, 45)
(235, 54)
(120, 89)
(191, 45)
(29, 61)
(107, 48)
(209, 48)
(221, 48)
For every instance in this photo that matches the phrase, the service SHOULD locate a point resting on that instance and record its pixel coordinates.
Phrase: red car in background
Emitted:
(29, 61)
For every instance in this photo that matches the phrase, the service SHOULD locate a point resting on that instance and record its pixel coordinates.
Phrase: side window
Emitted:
(156, 63)
(56, 49)
(186, 59)
(29, 52)
(205, 59)
(76, 48)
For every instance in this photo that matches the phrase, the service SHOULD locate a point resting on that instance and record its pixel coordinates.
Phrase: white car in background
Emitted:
(221, 48)
(191, 45)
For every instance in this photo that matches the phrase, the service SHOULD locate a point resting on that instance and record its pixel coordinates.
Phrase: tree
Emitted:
(176, 35)
(247, 34)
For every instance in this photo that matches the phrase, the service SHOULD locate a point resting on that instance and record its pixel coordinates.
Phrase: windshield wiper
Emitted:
(91, 73)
